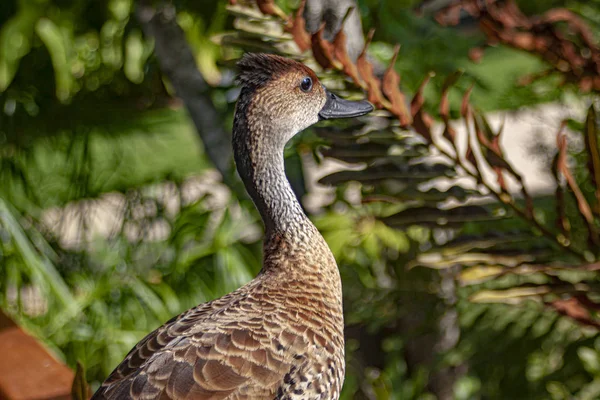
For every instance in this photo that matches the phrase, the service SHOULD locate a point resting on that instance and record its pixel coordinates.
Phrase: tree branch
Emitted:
(178, 64)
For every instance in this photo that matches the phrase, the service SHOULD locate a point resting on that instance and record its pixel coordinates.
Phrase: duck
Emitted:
(280, 336)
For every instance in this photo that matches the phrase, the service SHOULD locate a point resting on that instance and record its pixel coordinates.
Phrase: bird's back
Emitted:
(278, 337)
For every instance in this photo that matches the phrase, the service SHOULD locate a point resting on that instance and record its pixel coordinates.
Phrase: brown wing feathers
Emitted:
(246, 355)
(179, 362)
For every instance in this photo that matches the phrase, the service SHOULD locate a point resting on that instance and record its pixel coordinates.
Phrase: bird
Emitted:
(281, 335)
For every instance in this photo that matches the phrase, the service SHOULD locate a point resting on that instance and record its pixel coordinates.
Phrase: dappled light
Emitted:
(463, 213)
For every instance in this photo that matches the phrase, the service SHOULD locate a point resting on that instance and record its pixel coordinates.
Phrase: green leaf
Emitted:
(392, 238)
(433, 195)
(80, 389)
(150, 298)
(390, 171)
(433, 216)
(53, 39)
(590, 359)
(510, 296)
(480, 273)
(15, 42)
(361, 153)
(38, 266)
(438, 260)
(487, 240)
(136, 55)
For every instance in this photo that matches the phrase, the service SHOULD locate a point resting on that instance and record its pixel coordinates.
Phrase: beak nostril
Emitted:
(337, 107)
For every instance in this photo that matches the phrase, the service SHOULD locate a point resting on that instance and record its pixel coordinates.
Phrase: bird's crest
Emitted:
(258, 69)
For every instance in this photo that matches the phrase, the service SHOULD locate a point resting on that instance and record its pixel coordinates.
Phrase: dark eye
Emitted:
(306, 84)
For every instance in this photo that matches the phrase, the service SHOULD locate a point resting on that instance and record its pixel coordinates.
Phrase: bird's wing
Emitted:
(209, 352)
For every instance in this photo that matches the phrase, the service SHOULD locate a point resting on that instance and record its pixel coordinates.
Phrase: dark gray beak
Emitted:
(336, 107)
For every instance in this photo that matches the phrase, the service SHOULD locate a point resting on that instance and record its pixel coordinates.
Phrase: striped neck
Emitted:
(258, 152)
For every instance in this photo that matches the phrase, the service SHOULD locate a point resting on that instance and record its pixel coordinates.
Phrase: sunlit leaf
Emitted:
(53, 39)
(437, 260)
(480, 274)
(510, 296)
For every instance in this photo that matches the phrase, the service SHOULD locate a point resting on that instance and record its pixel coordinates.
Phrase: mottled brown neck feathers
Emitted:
(258, 152)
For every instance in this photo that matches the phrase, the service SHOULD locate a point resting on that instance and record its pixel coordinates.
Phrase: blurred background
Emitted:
(464, 214)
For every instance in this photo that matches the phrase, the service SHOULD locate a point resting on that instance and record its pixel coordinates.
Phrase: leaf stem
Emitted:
(530, 217)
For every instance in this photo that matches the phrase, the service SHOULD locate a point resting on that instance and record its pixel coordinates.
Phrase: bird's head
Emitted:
(286, 96)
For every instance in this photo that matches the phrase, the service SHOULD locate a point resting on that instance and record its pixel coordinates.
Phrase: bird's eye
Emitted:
(306, 84)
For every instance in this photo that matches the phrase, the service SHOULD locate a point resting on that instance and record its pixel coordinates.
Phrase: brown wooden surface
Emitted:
(27, 370)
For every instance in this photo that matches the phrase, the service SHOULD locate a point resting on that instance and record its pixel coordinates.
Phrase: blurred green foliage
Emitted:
(89, 130)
